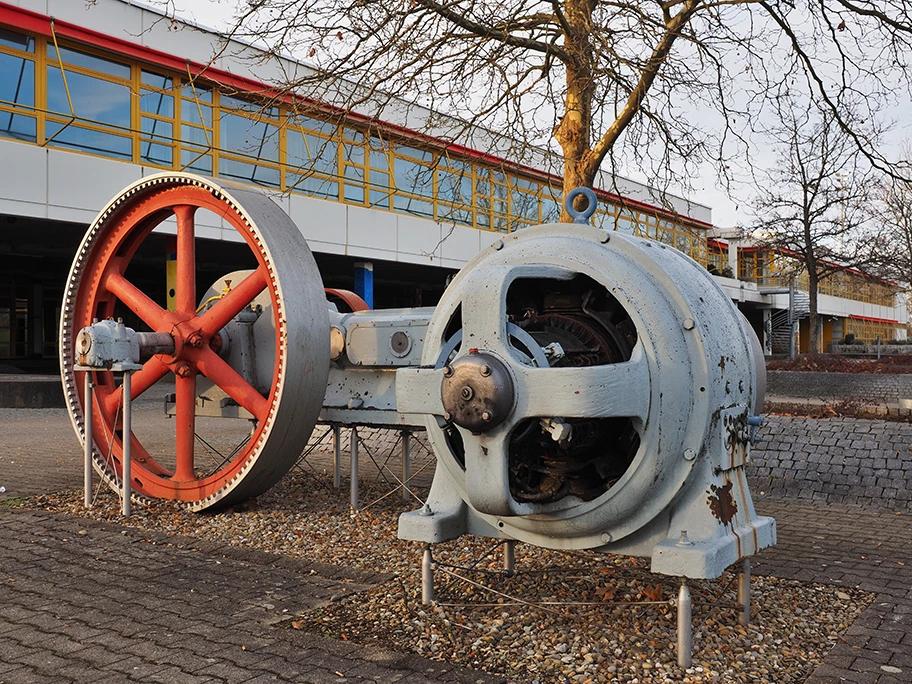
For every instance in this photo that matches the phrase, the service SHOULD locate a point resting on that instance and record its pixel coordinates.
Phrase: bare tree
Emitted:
(659, 86)
(896, 201)
(816, 207)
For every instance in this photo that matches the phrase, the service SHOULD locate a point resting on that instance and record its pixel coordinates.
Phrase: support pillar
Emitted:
(364, 282)
(744, 596)
(354, 470)
(510, 557)
(127, 438)
(406, 463)
(337, 456)
(87, 411)
(427, 576)
(685, 626)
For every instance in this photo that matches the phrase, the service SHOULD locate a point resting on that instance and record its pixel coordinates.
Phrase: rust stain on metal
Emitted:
(722, 503)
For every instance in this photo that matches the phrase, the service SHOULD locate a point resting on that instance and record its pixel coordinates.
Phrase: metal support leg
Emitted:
(685, 626)
(406, 463)
(744, 592)
(127, 438)
(87, 410)
(510, 557)
(337, 456)
(354, 470)
(427, 576)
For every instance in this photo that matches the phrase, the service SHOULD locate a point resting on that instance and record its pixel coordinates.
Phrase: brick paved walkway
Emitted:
(82, 601)
(116, 603)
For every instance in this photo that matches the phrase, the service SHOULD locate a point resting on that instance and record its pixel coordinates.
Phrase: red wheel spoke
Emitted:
(185, 295)
(152, 371)
(185, 415)
(136, 300)
(229, 306)
(223, 375)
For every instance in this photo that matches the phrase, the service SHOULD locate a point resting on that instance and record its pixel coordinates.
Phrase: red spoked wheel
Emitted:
(285, 397)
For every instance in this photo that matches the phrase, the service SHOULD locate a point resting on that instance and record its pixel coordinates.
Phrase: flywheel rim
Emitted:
(95, 286)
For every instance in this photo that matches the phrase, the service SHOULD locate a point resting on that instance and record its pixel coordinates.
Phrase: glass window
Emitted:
(93, 98)
(454, 187)
(412, 205)
(196, 92)
(17, 41)
(311, 152)
(246, 106)
(75, 137)
(83, 59)
(249, 136)
(354, 187)
(415, 153)
(313, 185)
(152, 102)
(315, 125)
(157, 80)
(155, 153)
(195, 136)
(354, 154)
(18, 127)
(414, 178)
(249, 173)
(156, 128)
(551, 210)
(191, 160)
(524, 205)
(380, 190)
(17, 80)
(196, 113)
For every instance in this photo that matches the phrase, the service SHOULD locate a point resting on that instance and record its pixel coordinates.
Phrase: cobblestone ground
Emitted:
(850, 461)
(113, 604)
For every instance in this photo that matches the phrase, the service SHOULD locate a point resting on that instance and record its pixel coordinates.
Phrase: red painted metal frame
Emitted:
(195, 337)
(349, 298)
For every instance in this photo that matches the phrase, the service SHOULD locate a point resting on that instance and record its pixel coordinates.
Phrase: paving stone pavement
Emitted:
(114, 604)
(82, 601)
(851, 461)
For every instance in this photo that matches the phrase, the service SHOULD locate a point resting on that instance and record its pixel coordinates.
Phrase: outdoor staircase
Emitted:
(780, 322)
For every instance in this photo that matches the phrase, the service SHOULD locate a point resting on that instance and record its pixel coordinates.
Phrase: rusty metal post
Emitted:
(337, 456)
(127, 438)
(427, 576)
(744, 592)
(685, 626)
(406, 463)
(87, 410)
(354, 470)
(510, 557)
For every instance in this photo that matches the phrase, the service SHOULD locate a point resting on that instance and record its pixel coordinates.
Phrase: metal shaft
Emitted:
(127, 438)
(337, 456)
(685, 627)
(354, 469)
(510, 557)
(406, 463)
(87, 410)
(427, 577)
(744, 592)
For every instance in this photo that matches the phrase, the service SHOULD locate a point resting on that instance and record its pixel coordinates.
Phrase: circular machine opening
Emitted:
(577, 323)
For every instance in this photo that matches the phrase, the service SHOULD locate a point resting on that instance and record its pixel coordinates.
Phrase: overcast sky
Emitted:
(217, 14)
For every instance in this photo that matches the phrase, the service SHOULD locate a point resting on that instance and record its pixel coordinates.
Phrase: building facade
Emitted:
(94, 96)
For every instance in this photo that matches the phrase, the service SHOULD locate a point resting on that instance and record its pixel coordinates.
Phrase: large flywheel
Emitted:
(283, 293)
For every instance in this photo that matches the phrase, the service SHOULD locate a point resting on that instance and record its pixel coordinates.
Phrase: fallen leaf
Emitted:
(653, 593)
(298, 624)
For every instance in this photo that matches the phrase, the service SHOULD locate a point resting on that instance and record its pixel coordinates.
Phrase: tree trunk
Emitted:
(813, 337)
(574, 132)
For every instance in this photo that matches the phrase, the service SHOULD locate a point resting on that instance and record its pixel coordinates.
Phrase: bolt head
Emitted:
(184, 370)
(195, 340)
(487, 416)
(447, 371)
(486, 370)
(447, 416)
(467, 393)
(605, 237)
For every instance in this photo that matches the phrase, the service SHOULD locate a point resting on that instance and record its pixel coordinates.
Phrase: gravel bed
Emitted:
(595, 618)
